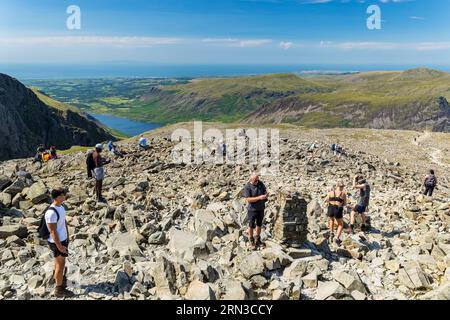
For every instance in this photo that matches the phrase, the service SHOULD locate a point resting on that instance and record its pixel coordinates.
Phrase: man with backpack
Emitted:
(95, 168)
(54, 228)
(430, 182)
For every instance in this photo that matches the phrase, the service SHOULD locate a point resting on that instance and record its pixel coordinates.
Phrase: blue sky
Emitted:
(226, 31)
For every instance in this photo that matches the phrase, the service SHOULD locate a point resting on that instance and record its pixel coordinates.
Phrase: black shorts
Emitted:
(335, 212)
(56, 252)
(255, 218)
(360, 209)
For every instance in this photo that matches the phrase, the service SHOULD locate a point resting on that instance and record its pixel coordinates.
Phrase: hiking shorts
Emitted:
(99, 173)
(360, 209)
(335, 212)
(255, 218)
(56, 252)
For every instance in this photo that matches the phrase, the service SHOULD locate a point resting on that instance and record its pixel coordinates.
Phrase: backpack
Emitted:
(43, 231)
(430, 181)
(90, 164)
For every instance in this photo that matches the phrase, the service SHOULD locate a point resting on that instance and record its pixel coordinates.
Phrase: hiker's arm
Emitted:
(55, 237)
(256, 199)
(345, 200)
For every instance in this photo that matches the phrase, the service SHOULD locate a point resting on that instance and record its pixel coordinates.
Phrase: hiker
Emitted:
(255, 194)
(143, 143)
(113, 149)
(99, 172)
(46, 156)
(362, 204)
(430, 182)
(224, 149)
(58, 240)
(39, 151)
(53, 154)
(337, 200)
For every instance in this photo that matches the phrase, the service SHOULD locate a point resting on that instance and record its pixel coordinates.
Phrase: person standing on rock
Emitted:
(99, 171)
(255, 193)
(58, 240)
(337, 200)
(430, 182)
(362, 204)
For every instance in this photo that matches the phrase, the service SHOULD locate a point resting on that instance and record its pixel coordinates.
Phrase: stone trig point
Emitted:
(291, 224)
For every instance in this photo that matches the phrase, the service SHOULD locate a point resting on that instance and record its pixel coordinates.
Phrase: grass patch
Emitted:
(74, 149)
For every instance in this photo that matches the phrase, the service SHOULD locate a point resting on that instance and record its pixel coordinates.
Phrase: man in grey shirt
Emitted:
(362, 204)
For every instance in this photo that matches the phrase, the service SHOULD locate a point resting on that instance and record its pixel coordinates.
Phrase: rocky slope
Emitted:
(28, 122)
(432, 114)
(178, 231)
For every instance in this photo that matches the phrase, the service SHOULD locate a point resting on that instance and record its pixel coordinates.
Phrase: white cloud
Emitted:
(286, 45)
(89, 41)
(243, 43)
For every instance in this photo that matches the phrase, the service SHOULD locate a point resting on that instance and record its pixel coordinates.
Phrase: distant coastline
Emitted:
(140, 70)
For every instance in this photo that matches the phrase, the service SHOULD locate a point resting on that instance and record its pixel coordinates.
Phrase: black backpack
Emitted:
(43, 231)
(90, 164)
(430, 181)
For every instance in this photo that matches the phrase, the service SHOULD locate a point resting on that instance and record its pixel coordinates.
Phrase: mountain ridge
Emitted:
(29, 122)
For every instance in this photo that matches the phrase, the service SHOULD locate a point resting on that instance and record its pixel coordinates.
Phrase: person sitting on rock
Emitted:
(38, 157)
(99, 171)
(337, 200)
(430, 182)
(114, 150)
(255, 193)
(143, 143)
(58, 240)
(362, 204)
(53, 154)
(46, 156)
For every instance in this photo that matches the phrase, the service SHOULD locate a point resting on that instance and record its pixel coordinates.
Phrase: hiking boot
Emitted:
(338, 241)
(61, 292)
(259, 243)
(252, 244)
(364, 228)
(101, 199)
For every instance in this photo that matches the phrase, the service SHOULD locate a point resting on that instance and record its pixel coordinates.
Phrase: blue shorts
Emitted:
(360, 209)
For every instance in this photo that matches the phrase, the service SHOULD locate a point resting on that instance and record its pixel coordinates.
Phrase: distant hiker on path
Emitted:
(362, 204)
(255, 194)
(58, 240)
(337, 200)
(430, 182)
(143, 143)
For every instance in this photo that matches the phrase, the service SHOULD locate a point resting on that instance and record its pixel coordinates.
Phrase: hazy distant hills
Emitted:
(412, 99)
(31, 118)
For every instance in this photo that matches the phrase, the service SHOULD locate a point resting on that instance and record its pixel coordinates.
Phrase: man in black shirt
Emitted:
(255, 194)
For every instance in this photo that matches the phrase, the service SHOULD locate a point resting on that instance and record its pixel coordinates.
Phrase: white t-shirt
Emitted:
(143, 142)
(51, 217)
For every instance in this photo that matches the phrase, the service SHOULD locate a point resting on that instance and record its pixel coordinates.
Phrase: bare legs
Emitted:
(60, 264)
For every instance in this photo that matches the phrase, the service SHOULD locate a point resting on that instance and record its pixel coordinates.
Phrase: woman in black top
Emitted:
(336, 199)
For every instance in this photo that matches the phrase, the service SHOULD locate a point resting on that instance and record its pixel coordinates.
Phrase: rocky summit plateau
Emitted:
(178, 231)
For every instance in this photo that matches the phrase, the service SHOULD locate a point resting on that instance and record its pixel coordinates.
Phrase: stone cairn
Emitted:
(291, 224)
